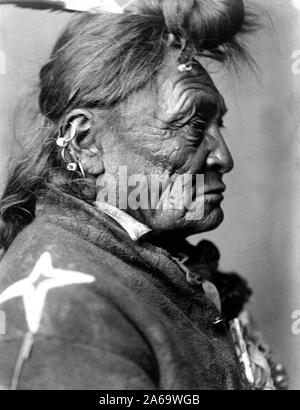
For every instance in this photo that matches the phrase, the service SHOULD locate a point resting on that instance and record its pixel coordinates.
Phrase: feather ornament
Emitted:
(91, 6)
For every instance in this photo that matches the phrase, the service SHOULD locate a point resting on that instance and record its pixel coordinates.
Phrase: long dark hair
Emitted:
(98, 61)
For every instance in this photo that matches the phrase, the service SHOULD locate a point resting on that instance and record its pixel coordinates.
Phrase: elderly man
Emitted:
(99, 287)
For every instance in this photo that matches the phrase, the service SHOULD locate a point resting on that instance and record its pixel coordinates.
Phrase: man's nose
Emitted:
(219, 157)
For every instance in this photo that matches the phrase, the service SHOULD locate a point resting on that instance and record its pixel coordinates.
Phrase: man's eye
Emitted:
(199, 125)
(197, 132)
(198, 128)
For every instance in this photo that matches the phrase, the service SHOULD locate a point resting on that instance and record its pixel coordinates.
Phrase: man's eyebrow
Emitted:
(210, 106)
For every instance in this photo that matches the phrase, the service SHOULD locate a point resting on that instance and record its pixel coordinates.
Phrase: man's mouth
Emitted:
(215, 194)
(210, 192)
(219, 190)
(200, 193)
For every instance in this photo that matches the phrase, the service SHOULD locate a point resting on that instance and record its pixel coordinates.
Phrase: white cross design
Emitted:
(35, 287)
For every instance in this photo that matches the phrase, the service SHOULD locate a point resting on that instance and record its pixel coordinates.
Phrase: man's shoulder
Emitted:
(51, 272)
(56, 287)
(67, 249)
(67, 311)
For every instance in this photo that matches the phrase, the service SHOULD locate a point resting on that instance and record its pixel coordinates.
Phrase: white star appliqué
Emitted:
(35, 287)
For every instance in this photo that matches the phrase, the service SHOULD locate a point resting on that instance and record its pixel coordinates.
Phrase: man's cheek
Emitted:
(181, 161)
(164, 151)
(189, 158)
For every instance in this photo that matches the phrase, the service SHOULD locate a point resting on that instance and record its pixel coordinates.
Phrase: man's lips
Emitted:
(218, 190)
(215, 194)
(209, 192)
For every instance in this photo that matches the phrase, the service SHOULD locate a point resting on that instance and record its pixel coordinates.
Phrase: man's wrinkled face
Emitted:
(173, 129)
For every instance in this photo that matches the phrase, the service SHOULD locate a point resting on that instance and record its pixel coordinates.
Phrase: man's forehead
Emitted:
(195, 87)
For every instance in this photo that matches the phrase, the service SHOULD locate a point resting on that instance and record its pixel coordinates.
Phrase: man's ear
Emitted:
(79, 128)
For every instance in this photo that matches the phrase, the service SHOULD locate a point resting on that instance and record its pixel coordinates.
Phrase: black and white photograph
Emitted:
(149, 197)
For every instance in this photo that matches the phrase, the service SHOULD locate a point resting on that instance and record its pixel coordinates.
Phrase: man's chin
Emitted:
(209, 222)
(187, 224)
(214, 219)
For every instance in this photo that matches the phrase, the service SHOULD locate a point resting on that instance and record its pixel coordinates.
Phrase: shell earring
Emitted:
(63, 143)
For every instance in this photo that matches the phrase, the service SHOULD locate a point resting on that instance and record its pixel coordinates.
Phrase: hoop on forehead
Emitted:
(185, 61)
